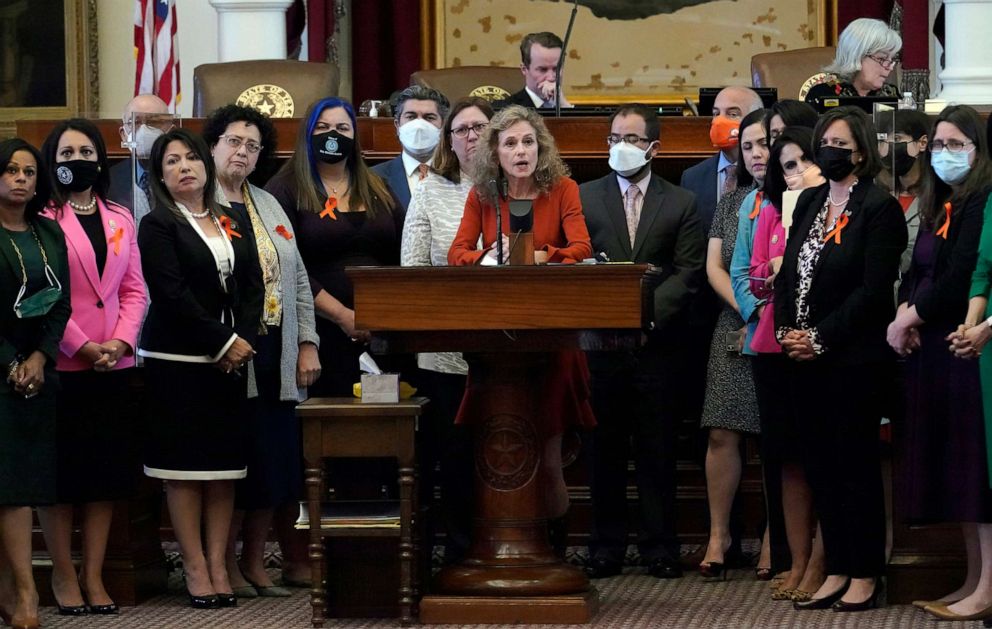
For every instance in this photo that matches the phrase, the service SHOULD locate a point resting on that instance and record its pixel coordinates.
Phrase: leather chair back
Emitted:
(280, 88)
(489, 82)
(791, 70)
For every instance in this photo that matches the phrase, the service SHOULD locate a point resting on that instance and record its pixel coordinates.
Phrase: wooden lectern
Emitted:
(507, 319)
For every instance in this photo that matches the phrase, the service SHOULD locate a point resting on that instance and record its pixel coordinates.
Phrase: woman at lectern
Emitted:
(867, 53)
(518, 154)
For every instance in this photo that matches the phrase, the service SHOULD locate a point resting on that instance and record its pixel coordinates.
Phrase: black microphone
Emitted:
(498, 193)
(561, 60)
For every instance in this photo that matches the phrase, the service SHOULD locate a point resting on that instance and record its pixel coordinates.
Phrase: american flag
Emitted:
(156, 50)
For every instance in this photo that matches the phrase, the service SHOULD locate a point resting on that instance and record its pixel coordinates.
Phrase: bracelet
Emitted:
(988, 322)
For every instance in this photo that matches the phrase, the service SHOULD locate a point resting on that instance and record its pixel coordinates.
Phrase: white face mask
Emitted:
(626, 159)
(142, 141)
(809, 178)
(419, 136)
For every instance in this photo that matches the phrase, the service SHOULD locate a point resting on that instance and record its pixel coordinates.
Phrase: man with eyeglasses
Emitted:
(145, 117)
(867, 54)
(636, 216)
(418, 113)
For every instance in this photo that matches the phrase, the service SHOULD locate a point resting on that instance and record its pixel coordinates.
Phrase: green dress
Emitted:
(27, 425)
(981, 286)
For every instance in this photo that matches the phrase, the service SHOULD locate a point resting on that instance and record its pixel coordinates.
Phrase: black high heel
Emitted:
(713, 571)
(823, 603)
(871, 603)
(227, 599)
(205, 601)
(100, 610)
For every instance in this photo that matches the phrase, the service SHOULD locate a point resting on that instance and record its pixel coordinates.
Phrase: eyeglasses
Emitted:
(477, 128)
(630, 138)
(235, 143)
(885, 62)
(954, 146)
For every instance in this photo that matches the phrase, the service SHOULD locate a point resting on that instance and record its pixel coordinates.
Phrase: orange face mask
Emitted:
(724, 132)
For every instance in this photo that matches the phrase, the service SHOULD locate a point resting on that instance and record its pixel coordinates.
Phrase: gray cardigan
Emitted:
(298, 325)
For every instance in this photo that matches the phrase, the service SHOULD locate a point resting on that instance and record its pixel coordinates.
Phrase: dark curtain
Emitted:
(296, 19)
(320, 27)
(850, 10)
(385, 46)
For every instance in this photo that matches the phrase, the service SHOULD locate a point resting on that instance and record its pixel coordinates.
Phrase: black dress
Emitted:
(27, 425)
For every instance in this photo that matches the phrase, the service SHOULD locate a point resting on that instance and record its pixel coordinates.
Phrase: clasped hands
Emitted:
(239, 353)
(969, 339)
(104, 356)
(798, 345)
(28, 376)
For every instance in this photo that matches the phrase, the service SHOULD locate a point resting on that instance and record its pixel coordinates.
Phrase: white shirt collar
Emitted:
(537, 100)
(641, 183)
(410, 164)
(724, 162)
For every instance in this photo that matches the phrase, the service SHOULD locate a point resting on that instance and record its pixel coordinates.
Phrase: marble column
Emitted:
(251, 29)
(967, 75)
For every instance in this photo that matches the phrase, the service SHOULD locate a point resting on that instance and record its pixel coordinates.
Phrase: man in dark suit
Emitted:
(146, 117)
(634, 215)
(418, 113)
(539, 56)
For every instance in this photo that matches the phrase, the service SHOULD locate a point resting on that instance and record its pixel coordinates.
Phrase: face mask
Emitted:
(809, 178)
(724, 132)
(77, 174)
(952, 168)
(627, 160)
(142, 141)
(901, 161)
(331, 147)
(835, 162)
(419, 136)
(41, 302)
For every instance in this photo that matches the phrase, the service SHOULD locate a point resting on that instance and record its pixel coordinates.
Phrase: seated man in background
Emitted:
(418, 113)
(539, 56)
(145, 117)
(634, 215)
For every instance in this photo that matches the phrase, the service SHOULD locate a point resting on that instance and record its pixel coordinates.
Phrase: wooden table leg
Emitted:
(406, 482)
(314, 480)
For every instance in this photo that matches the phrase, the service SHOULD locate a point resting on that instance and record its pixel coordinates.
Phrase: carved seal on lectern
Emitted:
(271, 100)
(490, 93)
(507, 452)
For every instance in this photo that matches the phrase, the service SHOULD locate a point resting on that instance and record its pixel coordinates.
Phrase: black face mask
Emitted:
(901, 162)
(78, 174)
(331, 147)
(834, 162)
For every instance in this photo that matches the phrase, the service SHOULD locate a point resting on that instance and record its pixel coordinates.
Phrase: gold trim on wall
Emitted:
(81, 69)
(432, 49)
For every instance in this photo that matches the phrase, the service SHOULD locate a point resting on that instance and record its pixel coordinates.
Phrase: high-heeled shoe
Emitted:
(941, 611)
(871, 602)
(100, 610)
(71, 610)
(713, 571)
(203, 601)
(823, 603)
(763, 574)
(226, 599)
(923, 604)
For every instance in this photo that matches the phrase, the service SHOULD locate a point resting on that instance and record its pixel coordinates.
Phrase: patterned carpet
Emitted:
(631, 600)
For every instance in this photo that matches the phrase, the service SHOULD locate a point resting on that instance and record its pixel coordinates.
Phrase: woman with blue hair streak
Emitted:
(342, 215)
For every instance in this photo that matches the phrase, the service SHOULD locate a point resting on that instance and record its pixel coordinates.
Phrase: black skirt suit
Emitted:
(836, 397)
(195, 410)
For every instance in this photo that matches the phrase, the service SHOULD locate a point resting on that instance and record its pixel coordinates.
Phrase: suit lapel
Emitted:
(399, 182)
(11, 258)
(613, 203)
(650, 209)
(79, 243)
(857, 195)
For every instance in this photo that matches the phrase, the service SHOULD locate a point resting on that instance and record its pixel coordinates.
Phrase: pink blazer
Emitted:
(769, 242)
(107, 307)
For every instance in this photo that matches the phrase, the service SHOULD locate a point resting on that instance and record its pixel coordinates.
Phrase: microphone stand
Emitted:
(561, 60)
(499, 220)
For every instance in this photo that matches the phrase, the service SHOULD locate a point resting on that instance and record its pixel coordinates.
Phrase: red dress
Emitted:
(560, 229)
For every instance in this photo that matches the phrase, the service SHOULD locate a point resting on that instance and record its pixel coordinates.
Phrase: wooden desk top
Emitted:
(354, 407)
(579, 138)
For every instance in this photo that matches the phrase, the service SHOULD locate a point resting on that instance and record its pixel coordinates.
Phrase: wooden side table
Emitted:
(345, 427)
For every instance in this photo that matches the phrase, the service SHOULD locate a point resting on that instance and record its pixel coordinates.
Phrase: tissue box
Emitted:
(381, 388)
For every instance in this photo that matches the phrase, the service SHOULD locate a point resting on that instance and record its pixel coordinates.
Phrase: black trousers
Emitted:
(778, 445)
(630, 395)
(838, 410)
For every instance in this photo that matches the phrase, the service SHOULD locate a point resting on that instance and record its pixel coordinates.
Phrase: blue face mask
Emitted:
(952, 168)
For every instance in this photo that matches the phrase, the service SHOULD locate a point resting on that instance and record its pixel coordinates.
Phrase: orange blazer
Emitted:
(559, 226)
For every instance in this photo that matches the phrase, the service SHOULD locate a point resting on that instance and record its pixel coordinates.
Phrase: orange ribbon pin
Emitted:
(285, 233)
(838, 228)
(757, 206)
(329, 206)
(942, 232)
(225, 222)
(115, 240)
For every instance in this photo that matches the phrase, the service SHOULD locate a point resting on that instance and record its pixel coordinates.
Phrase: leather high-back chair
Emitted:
(791, 70)
(490, 82)
(280, 88)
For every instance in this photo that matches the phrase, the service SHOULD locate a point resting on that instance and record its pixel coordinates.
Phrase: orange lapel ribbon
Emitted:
(838, 228)
(115, 240)
(329, 206)
(942, 232)
(757, 206)
(225, 222)
(285, 233)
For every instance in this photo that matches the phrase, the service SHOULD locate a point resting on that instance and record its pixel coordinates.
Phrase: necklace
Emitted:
(830, 196)
(334, 188)
(203, 214)
(84, 209)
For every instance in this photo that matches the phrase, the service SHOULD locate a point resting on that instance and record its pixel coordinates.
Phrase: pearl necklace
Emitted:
(203, 214)
(830, 196)
(84, 209)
